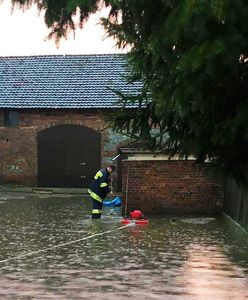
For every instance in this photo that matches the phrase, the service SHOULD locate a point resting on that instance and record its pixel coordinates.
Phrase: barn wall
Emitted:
(18, 145)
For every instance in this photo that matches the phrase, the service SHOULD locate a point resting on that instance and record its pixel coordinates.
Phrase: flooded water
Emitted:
(64, 255)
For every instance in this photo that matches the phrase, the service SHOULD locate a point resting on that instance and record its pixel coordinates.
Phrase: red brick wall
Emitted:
(173, 187)
(18, 145)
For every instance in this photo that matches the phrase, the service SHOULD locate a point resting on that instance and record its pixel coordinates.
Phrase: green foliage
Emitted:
(59, 13)
(191, 56)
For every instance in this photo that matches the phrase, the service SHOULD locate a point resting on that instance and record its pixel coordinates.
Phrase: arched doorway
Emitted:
(68, 156)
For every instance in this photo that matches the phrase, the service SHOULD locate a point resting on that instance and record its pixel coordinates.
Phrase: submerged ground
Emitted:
(185, 258)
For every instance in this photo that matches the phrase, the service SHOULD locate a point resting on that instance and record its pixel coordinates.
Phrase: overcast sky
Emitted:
(24, 33)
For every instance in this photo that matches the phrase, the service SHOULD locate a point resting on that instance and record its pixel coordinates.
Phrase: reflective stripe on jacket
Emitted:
(99, 187)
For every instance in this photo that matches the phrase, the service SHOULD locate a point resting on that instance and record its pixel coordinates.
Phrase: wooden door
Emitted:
(68, 156)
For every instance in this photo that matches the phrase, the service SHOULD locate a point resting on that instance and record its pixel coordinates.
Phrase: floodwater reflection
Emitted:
(163, 260)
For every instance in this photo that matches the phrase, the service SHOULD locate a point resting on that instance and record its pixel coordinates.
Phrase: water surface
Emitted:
(167, 259)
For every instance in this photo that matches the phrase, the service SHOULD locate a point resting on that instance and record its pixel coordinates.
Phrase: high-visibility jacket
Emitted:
(99, 187)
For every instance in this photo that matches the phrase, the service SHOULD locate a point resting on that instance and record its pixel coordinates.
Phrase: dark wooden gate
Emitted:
(68, 156)
(236, 202)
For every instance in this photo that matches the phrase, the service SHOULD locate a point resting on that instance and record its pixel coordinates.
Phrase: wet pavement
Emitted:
(64, 255)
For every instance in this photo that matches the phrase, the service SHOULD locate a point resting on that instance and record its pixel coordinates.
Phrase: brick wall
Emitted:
(18, 145)
(169, 186)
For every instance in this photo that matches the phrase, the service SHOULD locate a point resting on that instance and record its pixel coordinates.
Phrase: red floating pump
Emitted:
(136, 217)
(136, 214)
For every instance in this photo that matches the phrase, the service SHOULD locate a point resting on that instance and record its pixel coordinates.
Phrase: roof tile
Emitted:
(58, 81)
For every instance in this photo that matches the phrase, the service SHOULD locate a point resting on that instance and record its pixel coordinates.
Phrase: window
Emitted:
(11, 118)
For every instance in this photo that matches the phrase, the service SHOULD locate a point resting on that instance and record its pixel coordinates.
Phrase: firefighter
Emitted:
(99, 188)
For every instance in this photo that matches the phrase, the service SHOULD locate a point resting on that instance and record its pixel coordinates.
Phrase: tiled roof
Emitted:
(57, 81)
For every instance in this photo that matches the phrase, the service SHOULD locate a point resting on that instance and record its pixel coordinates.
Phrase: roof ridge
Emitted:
(62, 55)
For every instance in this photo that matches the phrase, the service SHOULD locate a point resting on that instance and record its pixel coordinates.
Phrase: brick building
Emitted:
(52, 129)
(53, 134)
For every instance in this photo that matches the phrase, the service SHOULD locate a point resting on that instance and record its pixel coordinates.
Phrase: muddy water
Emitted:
(168, 259)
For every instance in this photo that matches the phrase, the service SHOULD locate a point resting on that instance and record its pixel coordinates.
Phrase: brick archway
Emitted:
(68, 155)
